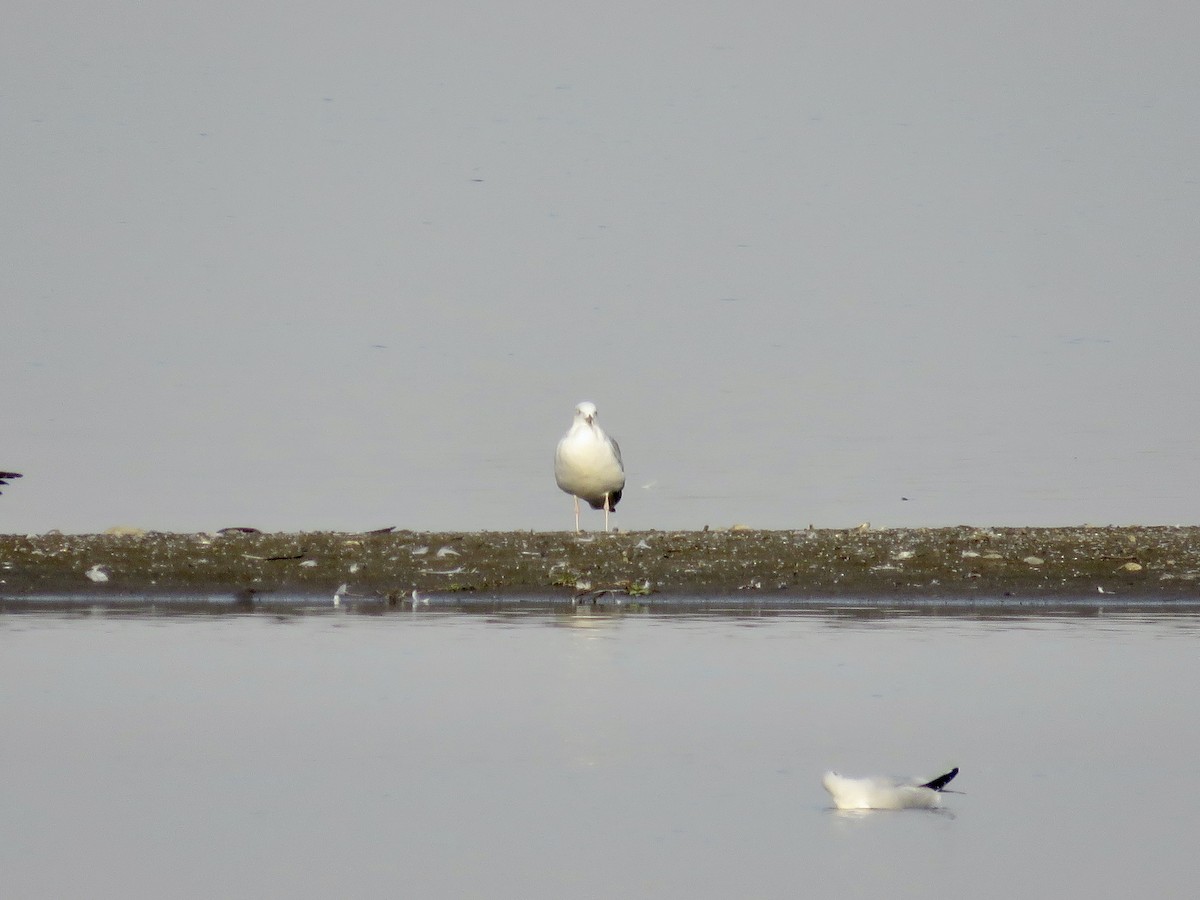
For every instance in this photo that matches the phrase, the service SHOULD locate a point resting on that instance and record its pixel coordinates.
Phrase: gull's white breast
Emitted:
(587, 465)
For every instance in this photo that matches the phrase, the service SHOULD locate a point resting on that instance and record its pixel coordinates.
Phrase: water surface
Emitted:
(594, 755)
(922, 265)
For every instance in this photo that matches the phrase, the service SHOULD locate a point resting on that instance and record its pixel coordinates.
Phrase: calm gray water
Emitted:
(913, 265)
(586, 755)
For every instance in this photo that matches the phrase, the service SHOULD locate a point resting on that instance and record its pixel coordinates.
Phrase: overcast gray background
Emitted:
(303, 266)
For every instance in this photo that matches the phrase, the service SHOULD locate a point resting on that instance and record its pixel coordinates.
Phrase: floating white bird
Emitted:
(886, 793)
(587, 464)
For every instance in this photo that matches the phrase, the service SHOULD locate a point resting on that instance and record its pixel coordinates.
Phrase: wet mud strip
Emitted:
(241, 569)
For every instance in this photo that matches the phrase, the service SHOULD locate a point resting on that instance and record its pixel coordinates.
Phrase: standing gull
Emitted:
(587, 464)
(886, 793)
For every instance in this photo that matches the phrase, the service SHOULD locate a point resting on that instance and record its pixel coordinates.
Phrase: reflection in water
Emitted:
(589, 722)
(860, 815)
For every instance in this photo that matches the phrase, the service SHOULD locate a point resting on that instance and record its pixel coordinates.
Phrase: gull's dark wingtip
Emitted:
(612, 499)
(942, 780)
(6, 476)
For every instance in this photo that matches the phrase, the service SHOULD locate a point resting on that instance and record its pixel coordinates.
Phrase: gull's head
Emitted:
(586, 411)
(830, 780)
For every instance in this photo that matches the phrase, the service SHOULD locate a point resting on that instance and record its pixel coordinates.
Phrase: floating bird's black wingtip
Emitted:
(5, 476)
(942, 780)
